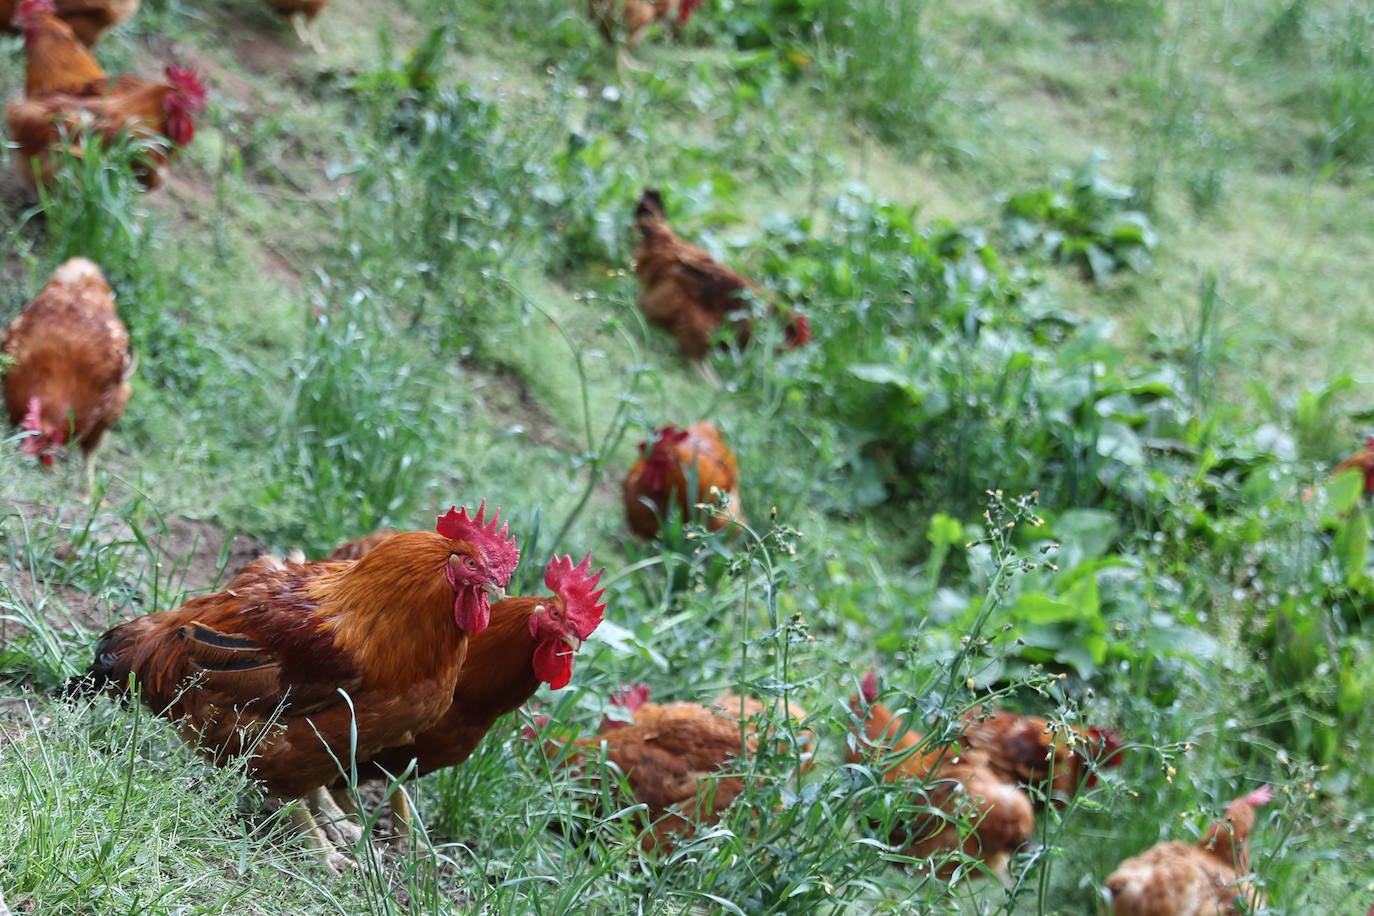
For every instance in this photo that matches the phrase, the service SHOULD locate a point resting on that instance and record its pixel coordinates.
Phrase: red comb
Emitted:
(497, 547)
(630, 697)
(658, 455)
(33, 423)
(687, 9)
(1261, 796)
(664, 438)
(33, 420)
(189, 84)
(625, 701)
(530, 732)
(798, 333)
(868, 687)
(1110, 744)
(576, 585)
(31, 8)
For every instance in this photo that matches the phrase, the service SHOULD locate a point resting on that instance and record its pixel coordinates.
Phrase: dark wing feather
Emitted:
(235, 670)
(717, 288)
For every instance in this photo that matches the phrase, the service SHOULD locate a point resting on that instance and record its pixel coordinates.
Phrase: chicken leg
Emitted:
(308, 32)
(315, 838)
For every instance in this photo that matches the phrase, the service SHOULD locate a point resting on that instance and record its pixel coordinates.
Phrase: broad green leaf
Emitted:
(1352, 546)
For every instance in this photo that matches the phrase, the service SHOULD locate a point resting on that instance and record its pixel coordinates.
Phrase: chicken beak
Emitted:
(495, 592)
(572, 641)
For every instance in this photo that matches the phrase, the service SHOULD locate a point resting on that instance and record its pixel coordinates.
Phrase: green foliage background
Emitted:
(1086, 287)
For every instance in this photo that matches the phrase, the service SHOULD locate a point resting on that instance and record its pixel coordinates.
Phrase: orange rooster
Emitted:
(661, 474)
(89, 19)
(982, 814)
(691, 294)
(55, 59)
(300, 665)
(302, 14)
(531, 641)
(64, 106)
(632, 18)
(1203, 879)
(69, 381)
(1050, 761)
(679, 760)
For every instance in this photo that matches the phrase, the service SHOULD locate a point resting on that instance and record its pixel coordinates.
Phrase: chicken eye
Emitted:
(470, 563)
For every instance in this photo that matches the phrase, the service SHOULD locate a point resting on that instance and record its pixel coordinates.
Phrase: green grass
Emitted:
(394, 277)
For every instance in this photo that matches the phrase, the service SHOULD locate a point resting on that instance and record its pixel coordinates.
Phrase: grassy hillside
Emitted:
(1087, 282)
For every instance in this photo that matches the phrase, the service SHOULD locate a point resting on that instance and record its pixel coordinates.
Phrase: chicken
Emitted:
(686, 291)
(89, 19)
(664, 468)
(985, 816)
(1207, 878)
(69, 381)
(299, 666)
(302, 14)
(531, 641)
(632, 18)
(44, 126)
(680, 760)
(1052, 761)
(1362, 461)
(55, 59)
(630, 705)
(358, 547)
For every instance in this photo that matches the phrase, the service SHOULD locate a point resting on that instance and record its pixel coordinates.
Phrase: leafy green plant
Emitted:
(1086, 221)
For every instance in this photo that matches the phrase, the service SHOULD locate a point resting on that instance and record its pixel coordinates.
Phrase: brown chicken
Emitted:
(69, 381)
(55, 59)
(630, 706)
(531, 641)
(302, 14)
(691, 294)
(1051, 762)
(679, 760)
(89, 19)
(1207, 878)
(983, 815)
(661, 475)
(261, 669)
(1362, 461)
(632, 18)
(358, 547)
(49, 124)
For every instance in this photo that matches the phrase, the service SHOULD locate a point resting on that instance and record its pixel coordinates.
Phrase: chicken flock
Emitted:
(400, 651)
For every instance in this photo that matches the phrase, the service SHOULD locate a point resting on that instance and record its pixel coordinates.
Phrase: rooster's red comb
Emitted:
(630, 696)
(30, 8)
(33, 423)
(189, 84)
(531, 731)
(496, 545)
(1110, 744)
(1261, 796)
(687, 9)
(798, 332)
(576, 585)
(33, 420)
(665, 437)
(868, 687)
